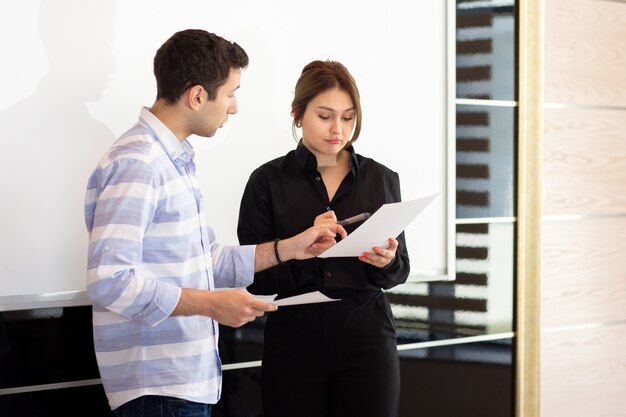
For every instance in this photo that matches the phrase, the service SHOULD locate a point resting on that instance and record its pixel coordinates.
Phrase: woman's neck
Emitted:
(333, 160)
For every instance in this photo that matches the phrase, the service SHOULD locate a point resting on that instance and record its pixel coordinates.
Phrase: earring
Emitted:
(298, 124)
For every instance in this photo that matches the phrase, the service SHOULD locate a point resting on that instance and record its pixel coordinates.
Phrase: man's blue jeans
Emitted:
(159, 406)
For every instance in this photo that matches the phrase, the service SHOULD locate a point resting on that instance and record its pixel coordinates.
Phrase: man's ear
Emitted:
(194, 97)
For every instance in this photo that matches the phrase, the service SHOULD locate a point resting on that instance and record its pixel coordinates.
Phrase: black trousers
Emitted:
(336, 359)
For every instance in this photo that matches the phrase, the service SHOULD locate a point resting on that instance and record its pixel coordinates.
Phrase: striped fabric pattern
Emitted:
(148, 238)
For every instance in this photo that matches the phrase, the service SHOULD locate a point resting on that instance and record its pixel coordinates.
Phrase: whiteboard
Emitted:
(75, 74)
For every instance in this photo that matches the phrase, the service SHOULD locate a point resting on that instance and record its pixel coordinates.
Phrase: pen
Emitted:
(354, 219)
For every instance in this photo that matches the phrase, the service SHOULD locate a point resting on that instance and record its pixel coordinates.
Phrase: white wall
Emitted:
(76, 72)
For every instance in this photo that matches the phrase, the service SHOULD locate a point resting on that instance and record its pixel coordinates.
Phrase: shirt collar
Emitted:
(306, 160)
(180, 152)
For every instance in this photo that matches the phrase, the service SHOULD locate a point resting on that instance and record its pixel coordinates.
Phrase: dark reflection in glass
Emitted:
(478, 302)
(243, 344)
(485, 50)
(242, 394)
(78, 401)
(469, 380)
(46, 345)
(485, 164)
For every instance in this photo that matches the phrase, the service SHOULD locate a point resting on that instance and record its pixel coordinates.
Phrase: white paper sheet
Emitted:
(308, 298)
(388, 221)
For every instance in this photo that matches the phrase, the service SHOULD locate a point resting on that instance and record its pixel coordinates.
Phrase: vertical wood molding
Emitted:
(530, 132)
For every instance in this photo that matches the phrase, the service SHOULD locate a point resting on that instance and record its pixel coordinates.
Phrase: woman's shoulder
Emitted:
(273, 165)
(374, 166)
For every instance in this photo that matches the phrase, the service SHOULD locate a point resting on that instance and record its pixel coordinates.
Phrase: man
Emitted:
(153, 261)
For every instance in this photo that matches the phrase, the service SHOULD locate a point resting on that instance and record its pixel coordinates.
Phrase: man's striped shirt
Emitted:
(148, 239)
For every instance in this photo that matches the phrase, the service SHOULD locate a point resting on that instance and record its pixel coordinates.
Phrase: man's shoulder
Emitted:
(134, 156)
(135, 144)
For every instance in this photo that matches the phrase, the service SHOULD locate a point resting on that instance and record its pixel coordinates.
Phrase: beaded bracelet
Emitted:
(276, 252)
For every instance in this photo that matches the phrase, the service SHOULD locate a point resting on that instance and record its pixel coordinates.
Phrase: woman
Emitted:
(336, 358)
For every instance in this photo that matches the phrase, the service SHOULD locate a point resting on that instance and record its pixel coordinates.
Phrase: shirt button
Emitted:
(106, 248)
(327, 208)
(328, 274)
(318, 179)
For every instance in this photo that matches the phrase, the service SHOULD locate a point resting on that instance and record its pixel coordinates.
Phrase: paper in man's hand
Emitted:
(307, 298)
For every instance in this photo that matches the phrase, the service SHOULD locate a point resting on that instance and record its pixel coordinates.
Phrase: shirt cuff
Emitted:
(165, 301)
(246, 275)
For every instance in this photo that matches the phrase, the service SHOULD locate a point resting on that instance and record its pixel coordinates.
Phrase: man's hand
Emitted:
(235, 308)
(232, 308)
(312, 241)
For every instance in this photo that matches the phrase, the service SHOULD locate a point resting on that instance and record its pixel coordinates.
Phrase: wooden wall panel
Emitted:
(585, 57)
(585, 161)
(583, 272)
(583, 372)
(583, 276)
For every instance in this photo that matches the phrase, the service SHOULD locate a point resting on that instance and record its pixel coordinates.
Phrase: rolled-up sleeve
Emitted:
(233, 266)
(121, 201)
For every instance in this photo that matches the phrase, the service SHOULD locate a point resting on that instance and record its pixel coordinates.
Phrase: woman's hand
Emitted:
(380, 257)
(326, 217)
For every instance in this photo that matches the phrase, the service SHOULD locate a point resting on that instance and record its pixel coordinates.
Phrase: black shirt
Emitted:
(283, 197)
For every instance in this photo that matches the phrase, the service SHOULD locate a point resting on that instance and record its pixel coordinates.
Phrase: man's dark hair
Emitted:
(195, 57)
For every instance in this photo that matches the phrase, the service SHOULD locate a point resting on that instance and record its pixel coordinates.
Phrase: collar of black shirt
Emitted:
(307, 161)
